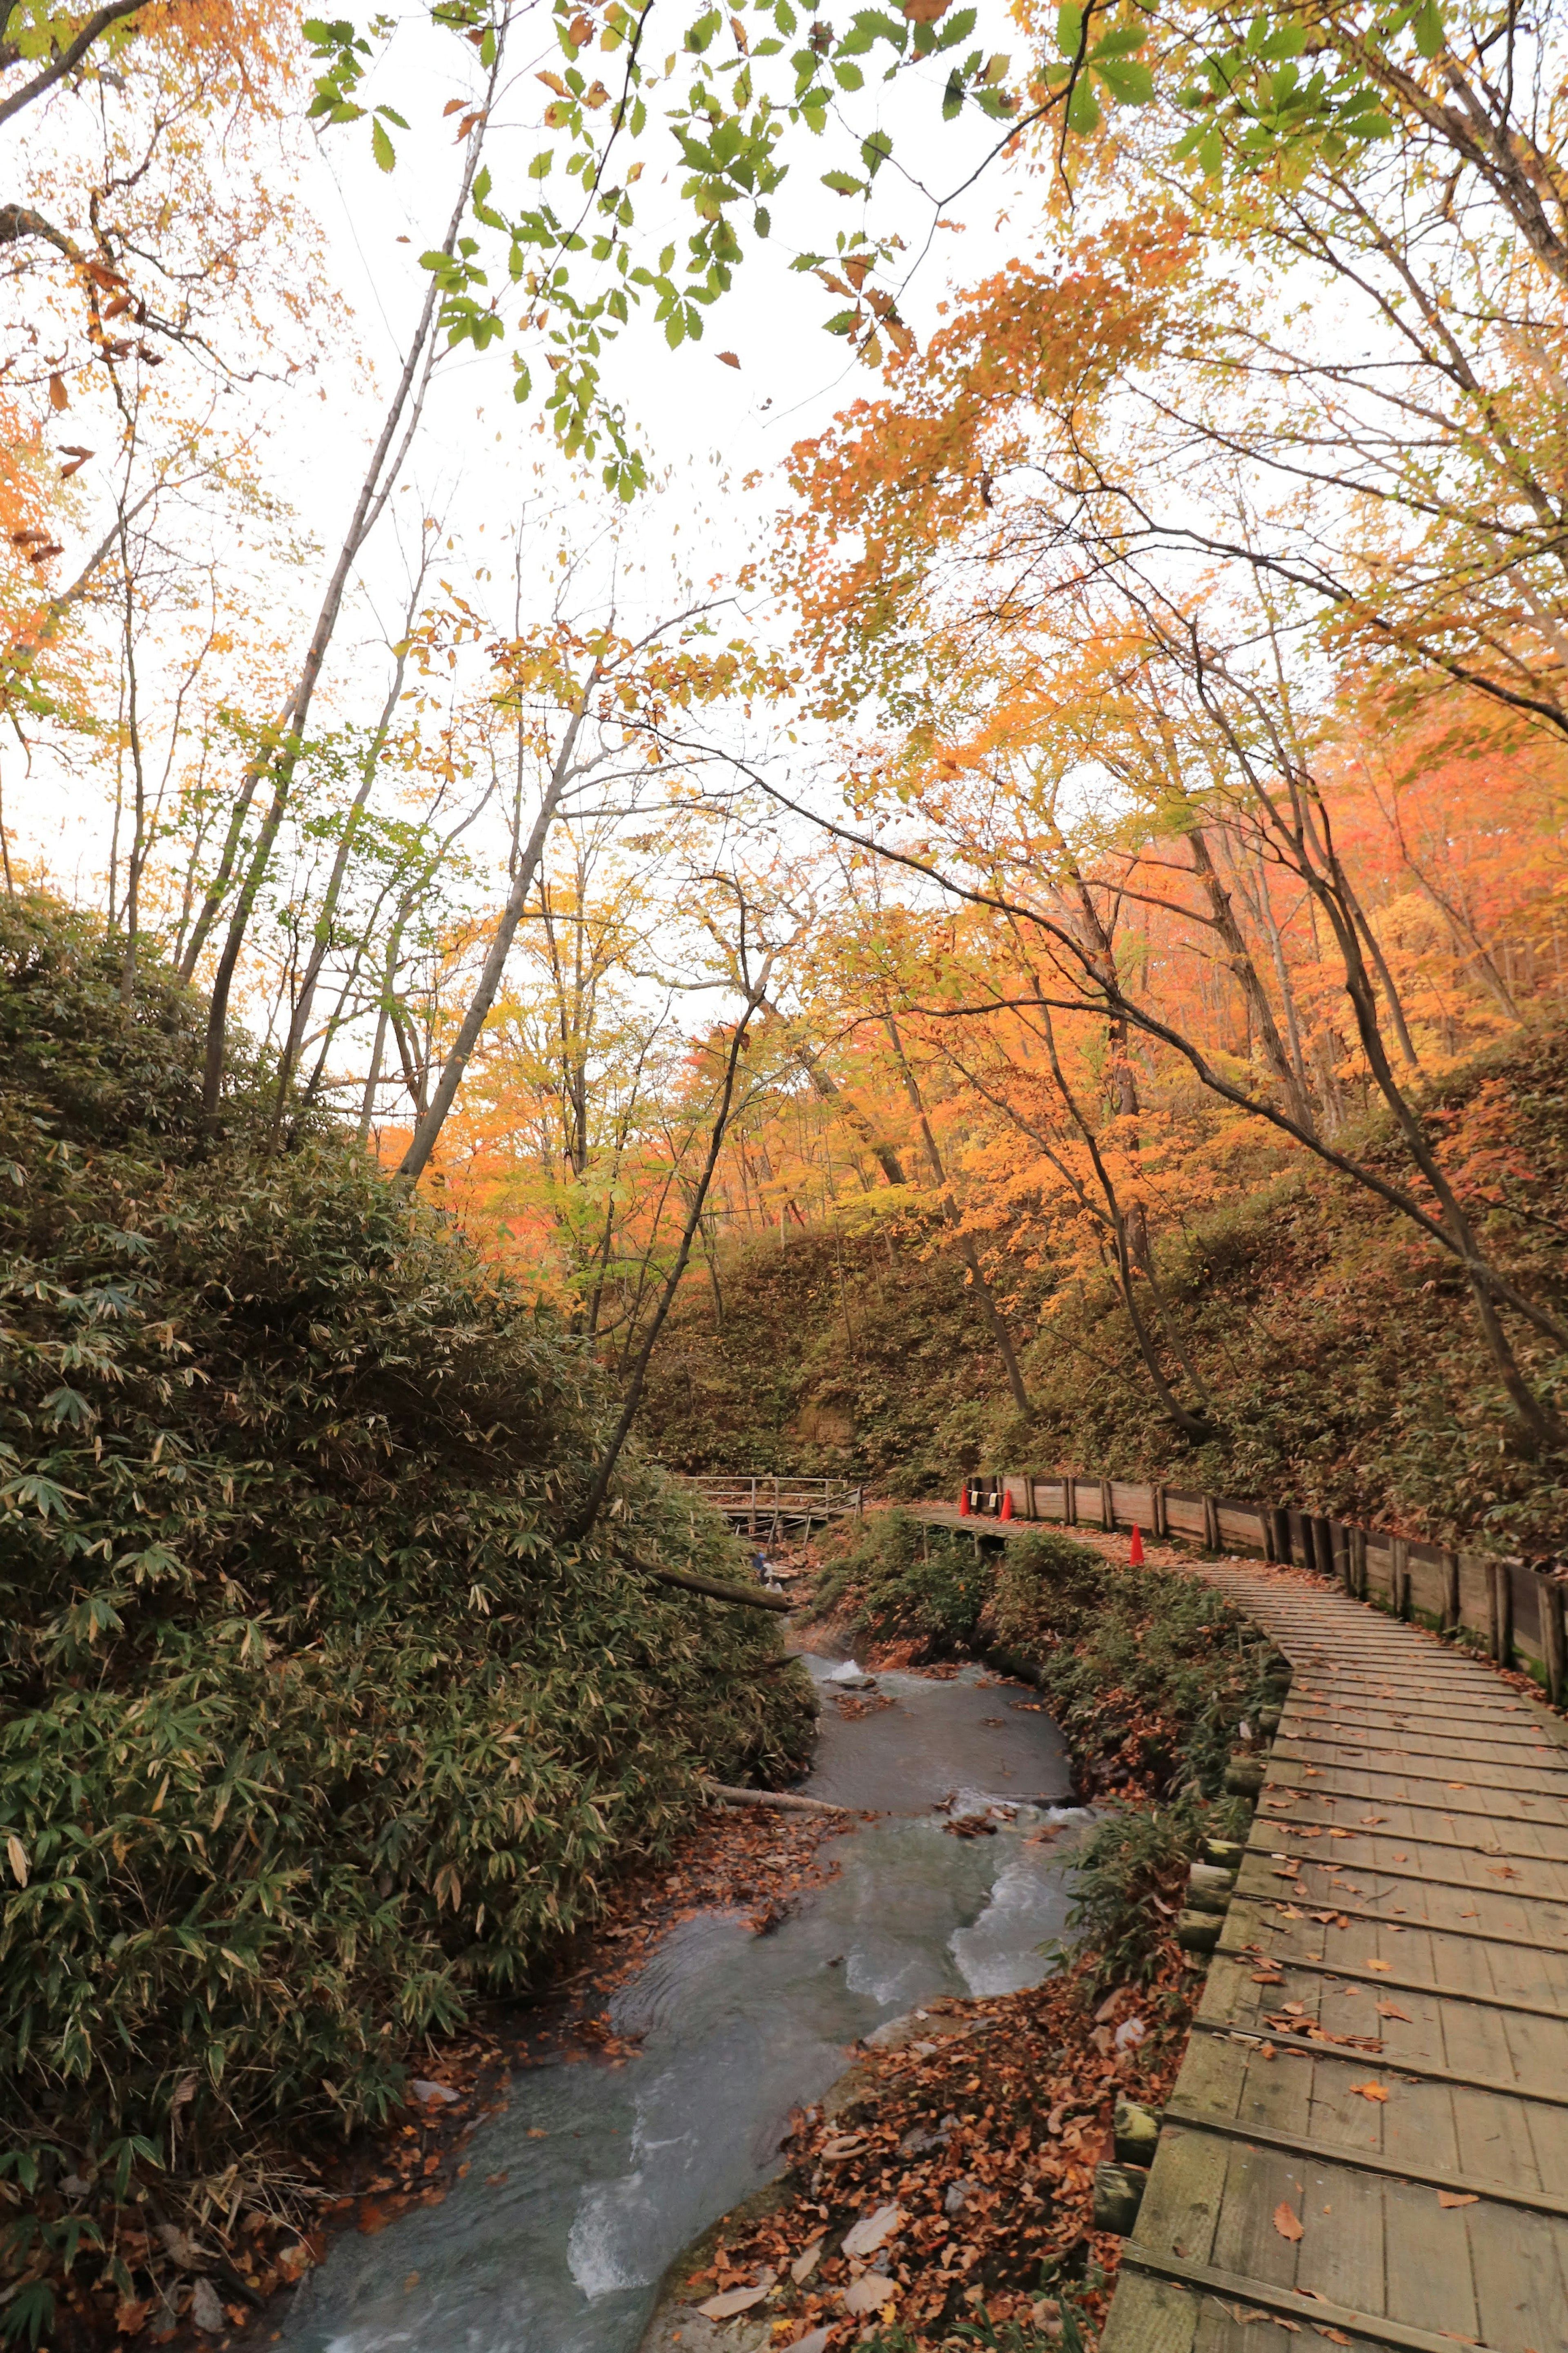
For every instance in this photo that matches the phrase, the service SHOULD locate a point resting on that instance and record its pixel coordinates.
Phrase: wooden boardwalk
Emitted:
(1399, 1929)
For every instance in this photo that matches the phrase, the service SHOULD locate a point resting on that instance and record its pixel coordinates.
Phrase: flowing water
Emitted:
(610, 2171)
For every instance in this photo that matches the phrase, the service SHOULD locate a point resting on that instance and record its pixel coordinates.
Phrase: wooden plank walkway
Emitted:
(1400, 1922)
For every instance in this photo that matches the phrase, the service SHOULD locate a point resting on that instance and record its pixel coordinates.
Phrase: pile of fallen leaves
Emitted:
(755, 1861)
(953, 2178)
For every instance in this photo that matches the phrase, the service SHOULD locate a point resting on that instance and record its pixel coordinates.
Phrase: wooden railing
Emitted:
(1517, 1611)
(766, 1503)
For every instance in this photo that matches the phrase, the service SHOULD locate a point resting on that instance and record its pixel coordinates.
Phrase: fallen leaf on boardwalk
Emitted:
(737, 2299)
(1371, 1822)
(805, 2263)
(1371, 2091)
(1377, 1964)
(1391, 2009)
(1458, 2198)
(1333, 1833)
(1455, 1785)
(870, 2293)
(1287, 2223)
(1332, 2335)
(1502, 1870)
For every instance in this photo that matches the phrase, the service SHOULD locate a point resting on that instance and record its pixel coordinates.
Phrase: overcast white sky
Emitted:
(705, 426)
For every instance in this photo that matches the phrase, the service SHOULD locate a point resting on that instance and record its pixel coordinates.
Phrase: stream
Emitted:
(610, 2171)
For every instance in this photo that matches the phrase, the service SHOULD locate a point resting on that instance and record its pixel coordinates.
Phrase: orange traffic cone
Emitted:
(1135, 1550)
(1006, 1510)
(963, 1501)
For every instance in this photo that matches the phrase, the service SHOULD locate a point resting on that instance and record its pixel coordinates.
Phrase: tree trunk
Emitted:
(966, 1248)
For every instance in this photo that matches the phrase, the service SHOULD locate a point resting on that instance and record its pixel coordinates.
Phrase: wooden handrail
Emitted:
(1476, 1591)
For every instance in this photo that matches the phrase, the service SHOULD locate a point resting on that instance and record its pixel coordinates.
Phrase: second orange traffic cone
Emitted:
(1135, 1550)
(1006, 1510)
(963, 1501)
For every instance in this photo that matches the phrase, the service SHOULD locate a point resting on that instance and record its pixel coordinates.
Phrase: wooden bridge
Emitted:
(1368, 2140)
(764, 1505)
(1367, 2144)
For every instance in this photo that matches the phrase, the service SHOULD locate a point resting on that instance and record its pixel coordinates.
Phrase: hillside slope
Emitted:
(1339, 1348)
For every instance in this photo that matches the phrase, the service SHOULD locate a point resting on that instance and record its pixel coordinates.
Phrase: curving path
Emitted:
(1399, 1929)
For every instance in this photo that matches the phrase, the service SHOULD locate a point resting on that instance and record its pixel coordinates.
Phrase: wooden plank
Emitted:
(1422, 1810)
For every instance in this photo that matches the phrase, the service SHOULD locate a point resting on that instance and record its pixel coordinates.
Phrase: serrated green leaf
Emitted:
(1070, 31)
(381, 146)
(1128, 81)
(1083, 110)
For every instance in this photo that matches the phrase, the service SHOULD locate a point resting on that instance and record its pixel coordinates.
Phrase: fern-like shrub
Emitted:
(313, 1721)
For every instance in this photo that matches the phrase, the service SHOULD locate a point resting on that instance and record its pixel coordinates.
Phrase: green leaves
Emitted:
(381, 146)
(1258, 108)
(1089, 64)
(1427, 27)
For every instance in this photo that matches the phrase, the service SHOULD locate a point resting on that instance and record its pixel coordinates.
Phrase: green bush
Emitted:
(900, 1578)
(314, 1719)
(1146, 1671)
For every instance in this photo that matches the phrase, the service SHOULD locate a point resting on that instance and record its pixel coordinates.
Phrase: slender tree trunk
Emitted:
(828, 1090)
(322, 938)
(279, 761)
(1239, 957)
(966, 1248)
(417, 1159)
(604, 1469)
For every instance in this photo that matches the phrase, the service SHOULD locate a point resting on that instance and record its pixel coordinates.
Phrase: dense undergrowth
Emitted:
(315, 1723)
(1339, 1350)
(1148, 1673)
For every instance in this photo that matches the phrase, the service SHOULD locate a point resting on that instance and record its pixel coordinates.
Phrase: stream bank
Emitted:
(576, 2195)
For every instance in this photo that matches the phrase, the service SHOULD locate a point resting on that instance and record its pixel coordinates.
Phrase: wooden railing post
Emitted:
(1358, 1562)
(1554, 1635)
(1450, 1591)
(1107, 1505)
(1069, 1498)
(1399, 1575)
(1211, 1523)
(1499, 1611)
(1162, 1517)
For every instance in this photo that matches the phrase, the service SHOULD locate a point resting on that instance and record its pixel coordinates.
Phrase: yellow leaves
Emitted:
(58, 397)
(556, 115)
(551, 80)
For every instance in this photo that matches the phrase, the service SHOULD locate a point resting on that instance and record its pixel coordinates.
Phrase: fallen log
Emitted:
(747, 1596)
(781, 1798)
